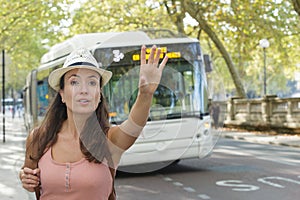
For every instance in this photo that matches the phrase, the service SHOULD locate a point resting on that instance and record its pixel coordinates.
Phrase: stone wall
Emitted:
(268, 113)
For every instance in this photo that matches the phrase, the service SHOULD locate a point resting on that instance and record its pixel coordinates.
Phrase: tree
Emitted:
(23, 27)
(296, 4)
(229, 30)
(195, 10)
(236, 27)
(115, 15)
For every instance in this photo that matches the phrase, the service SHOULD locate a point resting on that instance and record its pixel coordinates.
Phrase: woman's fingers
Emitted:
(163, 63)
(30, 178)
(151, 56)
(154, 56)
(143, 55)
(157, 57)
(32, 172)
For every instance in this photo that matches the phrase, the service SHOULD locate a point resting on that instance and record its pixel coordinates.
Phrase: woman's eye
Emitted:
(93, 83)
(74, 82)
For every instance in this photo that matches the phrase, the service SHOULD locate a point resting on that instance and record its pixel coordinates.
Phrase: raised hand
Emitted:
(151, 70)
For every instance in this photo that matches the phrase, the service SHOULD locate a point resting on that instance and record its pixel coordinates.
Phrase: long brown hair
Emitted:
(93, 139)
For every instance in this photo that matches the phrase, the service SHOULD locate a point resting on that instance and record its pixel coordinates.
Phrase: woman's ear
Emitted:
(100, 96)
(61, 93)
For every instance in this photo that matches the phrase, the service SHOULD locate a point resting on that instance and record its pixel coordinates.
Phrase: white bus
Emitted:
(179, 121)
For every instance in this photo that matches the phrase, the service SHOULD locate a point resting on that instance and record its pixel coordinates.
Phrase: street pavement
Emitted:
(12, 153)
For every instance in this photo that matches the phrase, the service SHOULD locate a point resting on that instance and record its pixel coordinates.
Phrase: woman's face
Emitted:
(81, 92)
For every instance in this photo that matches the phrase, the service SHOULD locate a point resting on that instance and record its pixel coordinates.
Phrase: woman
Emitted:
(73, 154)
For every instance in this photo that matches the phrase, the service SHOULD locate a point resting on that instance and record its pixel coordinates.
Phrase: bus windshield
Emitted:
(181, 92)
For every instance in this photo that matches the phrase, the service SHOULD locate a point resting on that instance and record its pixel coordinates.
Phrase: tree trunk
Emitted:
(296, 4)
(176, 17)
(191, 8)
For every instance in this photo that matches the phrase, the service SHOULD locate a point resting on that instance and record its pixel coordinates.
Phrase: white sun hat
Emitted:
(78, 59)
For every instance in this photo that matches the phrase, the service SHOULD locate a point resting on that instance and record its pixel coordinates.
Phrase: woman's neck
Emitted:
(74, 124)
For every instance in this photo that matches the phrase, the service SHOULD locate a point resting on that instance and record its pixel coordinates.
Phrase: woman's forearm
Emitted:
(140, 110)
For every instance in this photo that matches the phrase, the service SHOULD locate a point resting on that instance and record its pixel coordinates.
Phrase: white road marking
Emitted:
(264, 180)
(187, 189)
(177, 184)
(203, 196)
(237, 185)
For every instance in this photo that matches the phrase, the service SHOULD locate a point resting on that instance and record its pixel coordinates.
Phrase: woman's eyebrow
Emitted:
(75, 75)
(94, 76)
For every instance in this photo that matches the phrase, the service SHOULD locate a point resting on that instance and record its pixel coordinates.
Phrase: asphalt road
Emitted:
(237, 170)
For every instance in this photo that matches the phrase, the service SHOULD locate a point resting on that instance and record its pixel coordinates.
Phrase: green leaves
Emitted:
(24, 24)
(114, 15)
(239, 25)
(236, 25)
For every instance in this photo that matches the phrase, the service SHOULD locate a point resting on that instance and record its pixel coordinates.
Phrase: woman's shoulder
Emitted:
(34, 140)
(32, 134)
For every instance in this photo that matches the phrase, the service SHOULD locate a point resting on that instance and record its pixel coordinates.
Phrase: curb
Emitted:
(289, 141)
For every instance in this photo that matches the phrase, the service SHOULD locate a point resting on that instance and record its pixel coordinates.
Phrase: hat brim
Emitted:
(55, 76)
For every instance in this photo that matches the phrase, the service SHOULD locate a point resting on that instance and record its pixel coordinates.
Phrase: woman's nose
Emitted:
(84, 88)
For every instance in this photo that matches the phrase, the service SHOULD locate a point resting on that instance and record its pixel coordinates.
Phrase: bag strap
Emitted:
(37, 189)
(112, 195)
(37, 192)
(29, 162)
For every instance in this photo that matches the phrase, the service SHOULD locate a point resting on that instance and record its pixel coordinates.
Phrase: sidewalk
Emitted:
(11, 159)
(263, 138)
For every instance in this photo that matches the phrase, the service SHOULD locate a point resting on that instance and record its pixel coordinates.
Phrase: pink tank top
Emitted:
(77, 180)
